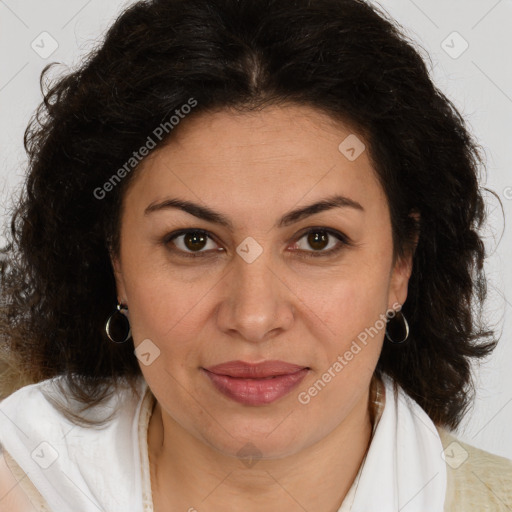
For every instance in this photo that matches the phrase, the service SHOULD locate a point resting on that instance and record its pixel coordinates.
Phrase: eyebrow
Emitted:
(207, 214)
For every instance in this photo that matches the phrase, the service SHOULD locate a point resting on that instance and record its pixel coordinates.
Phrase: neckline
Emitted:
(146, 410)
(377, 404)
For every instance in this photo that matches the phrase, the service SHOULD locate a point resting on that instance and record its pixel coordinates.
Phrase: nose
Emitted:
(258, 303)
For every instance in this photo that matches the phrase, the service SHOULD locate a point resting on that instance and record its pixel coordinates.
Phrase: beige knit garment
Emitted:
(478, 481)
(481, 483)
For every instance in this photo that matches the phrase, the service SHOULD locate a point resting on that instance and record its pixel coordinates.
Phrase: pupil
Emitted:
(317, 239)
(195, 240)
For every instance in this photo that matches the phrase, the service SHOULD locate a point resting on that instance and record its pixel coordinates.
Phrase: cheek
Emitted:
(355, 315)
(163, 309)
(177, 318)
(350, 301)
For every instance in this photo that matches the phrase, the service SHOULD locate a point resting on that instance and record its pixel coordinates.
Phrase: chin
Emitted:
(249, 442)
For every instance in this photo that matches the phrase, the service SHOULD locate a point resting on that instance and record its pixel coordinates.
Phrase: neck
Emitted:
(188, 473)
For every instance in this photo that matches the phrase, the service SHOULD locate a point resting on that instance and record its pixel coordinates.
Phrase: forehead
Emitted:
(278, 155)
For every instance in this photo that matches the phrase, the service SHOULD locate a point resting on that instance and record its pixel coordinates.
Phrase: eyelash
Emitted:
(343, 239)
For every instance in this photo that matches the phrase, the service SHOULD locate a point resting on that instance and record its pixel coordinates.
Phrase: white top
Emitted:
(81, 468)
(77, 468)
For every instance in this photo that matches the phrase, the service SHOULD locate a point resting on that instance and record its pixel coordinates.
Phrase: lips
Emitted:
(255, 384)
(243, 370)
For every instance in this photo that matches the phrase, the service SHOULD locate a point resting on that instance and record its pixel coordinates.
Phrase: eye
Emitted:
(191, 241)
(319, 239)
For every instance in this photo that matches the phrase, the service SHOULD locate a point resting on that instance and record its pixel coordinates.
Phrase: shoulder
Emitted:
(12, 496)
(49, 399)
(44, 456)
(56, 411)
(477, 480)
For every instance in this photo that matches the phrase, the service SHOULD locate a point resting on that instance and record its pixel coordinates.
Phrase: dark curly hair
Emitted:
(345, 58)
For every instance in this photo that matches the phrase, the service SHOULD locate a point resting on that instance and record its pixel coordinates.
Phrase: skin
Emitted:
(254, 168)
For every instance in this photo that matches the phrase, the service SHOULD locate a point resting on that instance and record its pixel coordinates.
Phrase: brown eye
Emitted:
(195, 241)
(188, 242)
(319, 239)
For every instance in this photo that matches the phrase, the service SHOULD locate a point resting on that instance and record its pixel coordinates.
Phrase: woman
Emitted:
(246, 272)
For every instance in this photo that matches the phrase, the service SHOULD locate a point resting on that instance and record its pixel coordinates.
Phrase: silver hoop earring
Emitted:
(118, 326)
(404, 327)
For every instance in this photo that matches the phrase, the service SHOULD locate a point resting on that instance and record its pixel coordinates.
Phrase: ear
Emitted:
(402, 272)
(118, 276)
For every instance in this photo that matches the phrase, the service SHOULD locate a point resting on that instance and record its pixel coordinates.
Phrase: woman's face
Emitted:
(251, 293)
